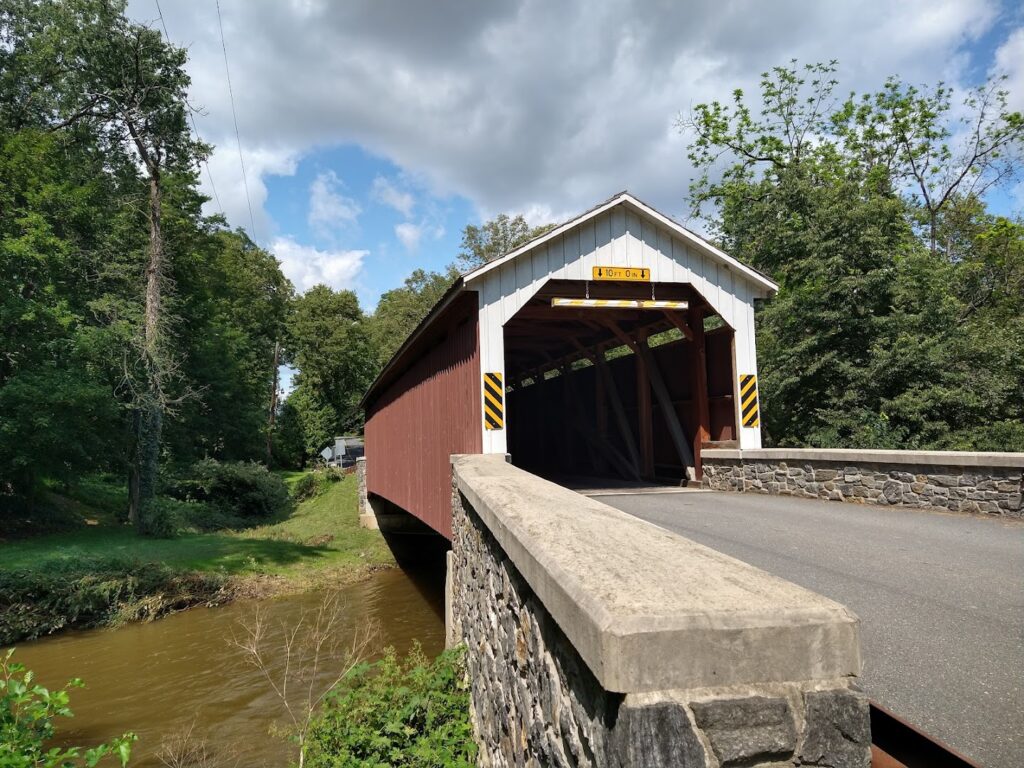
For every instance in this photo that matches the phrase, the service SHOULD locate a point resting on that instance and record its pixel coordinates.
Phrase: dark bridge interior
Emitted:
(617, 393)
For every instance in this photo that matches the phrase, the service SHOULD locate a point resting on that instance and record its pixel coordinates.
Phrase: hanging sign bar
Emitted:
(620, 303)
(632, 274)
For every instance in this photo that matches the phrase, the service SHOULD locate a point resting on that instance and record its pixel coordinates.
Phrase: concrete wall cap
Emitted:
(648, 609)
(856, 456)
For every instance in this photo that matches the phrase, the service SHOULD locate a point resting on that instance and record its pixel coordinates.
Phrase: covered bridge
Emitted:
(616, 345)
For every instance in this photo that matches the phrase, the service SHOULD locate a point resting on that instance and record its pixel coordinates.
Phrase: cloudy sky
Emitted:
(373, 131)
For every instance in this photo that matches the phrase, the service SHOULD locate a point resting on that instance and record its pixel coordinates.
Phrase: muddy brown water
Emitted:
(159, 679)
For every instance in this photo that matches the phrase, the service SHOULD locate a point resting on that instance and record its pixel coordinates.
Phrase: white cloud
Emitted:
(384, 191)
(226, 171)
(533, 106)
(410, 235)
(1009, 61)
(328, 209)
(307, 266)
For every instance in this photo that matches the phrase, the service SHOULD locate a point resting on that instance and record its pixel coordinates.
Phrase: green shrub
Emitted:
(316, 482)
(197, 517)
(410, 713)
(27, 712)
(306, 487)
(202, 517)
(96, 591)
(335, 474)
(245, 489)
(164, 518)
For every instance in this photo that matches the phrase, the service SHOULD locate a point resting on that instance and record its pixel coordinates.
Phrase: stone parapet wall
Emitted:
(536, 701)
(968, 482)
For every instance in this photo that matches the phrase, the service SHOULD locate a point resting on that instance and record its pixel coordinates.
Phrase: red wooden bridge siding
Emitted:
(427, 412)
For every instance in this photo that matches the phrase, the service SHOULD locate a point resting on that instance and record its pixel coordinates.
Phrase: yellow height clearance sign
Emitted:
(494, 401)
(633, 274)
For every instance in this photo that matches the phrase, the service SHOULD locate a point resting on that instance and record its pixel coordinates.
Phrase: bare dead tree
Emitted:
(130, 87)
(187, 750)
(304, 659)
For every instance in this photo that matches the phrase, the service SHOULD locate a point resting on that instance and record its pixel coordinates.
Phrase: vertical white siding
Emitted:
(746, 362)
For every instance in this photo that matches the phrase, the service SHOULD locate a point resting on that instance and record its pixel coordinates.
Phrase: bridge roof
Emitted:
(472, 279)
(642, 208)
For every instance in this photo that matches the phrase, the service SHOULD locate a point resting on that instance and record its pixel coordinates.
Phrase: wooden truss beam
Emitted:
(679, 323)
(645, 415)
(610, 392)
(699, 388)
(675, 429)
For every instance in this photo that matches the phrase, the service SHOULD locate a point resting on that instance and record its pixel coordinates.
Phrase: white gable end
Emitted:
(623, 232)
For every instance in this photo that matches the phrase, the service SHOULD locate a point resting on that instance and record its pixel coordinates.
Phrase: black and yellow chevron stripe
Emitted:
(494, 401)
(748, 400)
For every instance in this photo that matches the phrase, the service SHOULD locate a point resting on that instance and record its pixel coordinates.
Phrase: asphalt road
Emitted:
(940, 597)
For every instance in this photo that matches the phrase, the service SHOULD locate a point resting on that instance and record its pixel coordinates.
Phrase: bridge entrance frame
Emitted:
(494, 337)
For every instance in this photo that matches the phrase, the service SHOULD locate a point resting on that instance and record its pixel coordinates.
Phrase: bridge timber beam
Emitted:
(643, 353)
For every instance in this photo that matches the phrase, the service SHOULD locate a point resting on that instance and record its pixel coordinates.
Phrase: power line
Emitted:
(192, 119)
(234, 115)
(206, 164)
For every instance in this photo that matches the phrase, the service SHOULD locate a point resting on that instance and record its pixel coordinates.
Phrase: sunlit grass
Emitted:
(320, 538)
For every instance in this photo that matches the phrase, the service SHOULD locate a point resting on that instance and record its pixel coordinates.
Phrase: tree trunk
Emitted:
(151, 426)
(934, 244)
(273, 406)
(149, 415)
(154, 273)
(133, 474)
(133, 495)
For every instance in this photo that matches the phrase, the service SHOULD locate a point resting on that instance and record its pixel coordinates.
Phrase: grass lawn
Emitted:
(319, 543)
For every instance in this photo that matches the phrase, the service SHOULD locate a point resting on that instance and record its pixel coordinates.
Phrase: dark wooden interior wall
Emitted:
(426, 414)
(544, 418)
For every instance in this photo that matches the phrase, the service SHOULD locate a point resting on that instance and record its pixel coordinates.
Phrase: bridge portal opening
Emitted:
(612, 392)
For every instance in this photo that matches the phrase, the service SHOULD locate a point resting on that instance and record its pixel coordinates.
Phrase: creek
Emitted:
(161, 678)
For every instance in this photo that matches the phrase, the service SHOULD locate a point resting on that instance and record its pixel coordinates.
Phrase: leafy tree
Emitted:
(317, 421)
(60, 227)
(124, 83)
(329, 342)
(876, 338)
(494, 238)
(914, 134)
(289, 441)
(56, 423)
(400, 310)
(949, 367)
(236, 301)
(121, 303)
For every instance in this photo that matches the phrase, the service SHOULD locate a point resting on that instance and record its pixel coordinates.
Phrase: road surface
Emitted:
(940, 597)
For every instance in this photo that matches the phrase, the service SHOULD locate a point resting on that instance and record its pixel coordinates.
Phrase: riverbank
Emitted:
(182, 675)
(100, 573)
